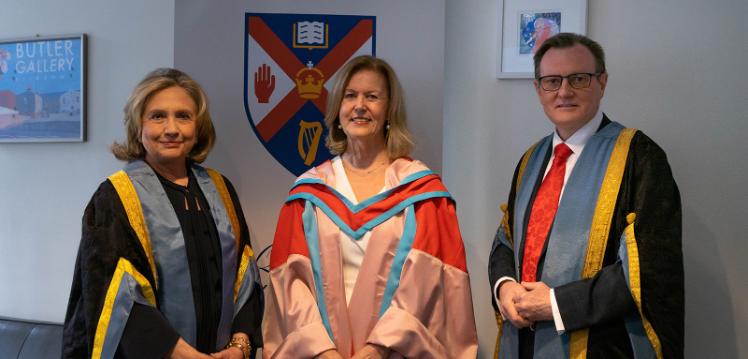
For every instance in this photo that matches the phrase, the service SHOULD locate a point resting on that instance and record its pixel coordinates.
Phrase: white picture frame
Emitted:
(523, 22)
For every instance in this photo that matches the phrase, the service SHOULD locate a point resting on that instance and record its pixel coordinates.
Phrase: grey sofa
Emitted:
(25, 339)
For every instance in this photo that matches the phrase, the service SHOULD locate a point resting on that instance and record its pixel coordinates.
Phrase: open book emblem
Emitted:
(310, 35)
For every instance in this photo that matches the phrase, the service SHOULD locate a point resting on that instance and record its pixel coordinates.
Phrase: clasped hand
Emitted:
(525, 303)
(182, 350)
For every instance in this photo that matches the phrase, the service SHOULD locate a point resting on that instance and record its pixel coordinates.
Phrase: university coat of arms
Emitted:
(290, 61)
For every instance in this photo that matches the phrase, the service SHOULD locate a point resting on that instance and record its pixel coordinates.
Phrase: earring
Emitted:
(388, 126)
(340, 126)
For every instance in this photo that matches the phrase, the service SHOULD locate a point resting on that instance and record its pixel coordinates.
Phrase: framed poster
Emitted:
(43, 89)
(525, 24)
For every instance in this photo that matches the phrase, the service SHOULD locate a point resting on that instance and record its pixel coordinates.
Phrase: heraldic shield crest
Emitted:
(290, 62)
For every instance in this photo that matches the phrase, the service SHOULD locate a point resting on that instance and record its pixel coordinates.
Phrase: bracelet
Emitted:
(242, 344)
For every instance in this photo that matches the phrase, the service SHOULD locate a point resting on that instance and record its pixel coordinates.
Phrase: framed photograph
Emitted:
(43, 89)
(525, 24)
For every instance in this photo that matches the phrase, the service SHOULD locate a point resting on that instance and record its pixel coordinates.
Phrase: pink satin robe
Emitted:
(430, 314)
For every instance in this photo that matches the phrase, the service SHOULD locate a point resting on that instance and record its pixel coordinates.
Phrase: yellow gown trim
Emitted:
(247, 253)
(226, 198)
(600, 228)
(134, 211)
(123, 266)
(523, 165)
(606, 204)
(635, 283)
(505, 223)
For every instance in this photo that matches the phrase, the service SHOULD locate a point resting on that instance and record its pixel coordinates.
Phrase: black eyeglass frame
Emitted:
(591, 75)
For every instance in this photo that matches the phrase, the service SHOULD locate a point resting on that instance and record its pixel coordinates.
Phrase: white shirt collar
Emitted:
(577, 141)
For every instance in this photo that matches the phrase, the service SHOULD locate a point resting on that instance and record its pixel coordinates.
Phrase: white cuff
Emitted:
(556, 314)
(496, 296)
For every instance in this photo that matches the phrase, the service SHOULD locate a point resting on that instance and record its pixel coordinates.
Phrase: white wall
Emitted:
(44, 187)
(209, 45)
(678, 72)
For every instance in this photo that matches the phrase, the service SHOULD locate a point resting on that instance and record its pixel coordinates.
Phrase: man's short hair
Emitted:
(568, 39)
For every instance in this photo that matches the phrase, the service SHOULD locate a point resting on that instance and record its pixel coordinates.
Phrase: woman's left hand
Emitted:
(372, 351)
(229, 353)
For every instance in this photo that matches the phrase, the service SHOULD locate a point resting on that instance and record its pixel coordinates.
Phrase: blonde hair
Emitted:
(398, 139)
(155, 81)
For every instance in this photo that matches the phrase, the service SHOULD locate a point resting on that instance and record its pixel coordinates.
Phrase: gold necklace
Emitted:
(360, 172)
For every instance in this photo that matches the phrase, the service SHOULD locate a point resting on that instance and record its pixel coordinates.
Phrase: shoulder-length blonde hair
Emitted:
(155, 81)
(398, 138)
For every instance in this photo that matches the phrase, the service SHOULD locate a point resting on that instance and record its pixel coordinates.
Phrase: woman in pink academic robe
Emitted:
(367, 260)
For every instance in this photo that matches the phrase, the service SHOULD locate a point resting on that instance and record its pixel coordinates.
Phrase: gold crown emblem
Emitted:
(309, 81)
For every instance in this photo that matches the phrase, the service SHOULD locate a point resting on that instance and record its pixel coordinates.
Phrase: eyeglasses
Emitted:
(578, 81)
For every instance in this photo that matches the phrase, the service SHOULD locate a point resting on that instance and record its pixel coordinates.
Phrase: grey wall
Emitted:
(678, 72)
(44, 187)
(209, 45)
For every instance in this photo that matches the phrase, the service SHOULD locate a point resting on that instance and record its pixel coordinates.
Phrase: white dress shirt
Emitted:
(576, 143)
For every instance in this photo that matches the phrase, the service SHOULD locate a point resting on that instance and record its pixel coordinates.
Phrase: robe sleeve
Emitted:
(649, 191)
(655, 199)
(431, 313)
(501, 259)
(106, 238)
(293, 326)
(147, 334)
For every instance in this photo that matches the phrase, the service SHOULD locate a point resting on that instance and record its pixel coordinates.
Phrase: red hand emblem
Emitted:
(264, 83)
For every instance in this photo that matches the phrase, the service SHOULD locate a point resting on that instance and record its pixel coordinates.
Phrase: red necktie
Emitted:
(543, 210)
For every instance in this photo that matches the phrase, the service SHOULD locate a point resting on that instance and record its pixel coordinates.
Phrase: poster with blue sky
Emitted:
(42, 95)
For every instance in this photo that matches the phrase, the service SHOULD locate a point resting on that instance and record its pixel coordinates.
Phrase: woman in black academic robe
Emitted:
(165, 267)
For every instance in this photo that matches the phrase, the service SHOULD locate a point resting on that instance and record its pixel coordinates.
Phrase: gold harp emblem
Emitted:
(309, 136)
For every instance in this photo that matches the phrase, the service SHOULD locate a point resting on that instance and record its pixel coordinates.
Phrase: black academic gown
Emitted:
(107, 236)
(601, 302)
